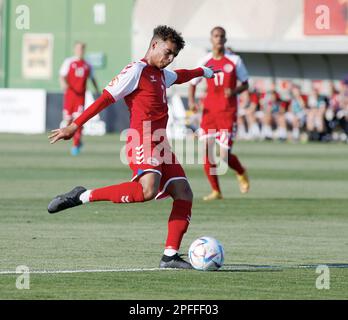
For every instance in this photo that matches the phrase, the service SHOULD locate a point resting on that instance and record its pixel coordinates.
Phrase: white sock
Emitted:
(266, 131)
(84, 197)
(296, 133)
(282, 133)
(241, 132)
(170, 252)
(255, 131)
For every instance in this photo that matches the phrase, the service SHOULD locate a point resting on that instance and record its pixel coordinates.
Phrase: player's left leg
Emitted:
(178, 223)
(241, 173)
(226, 139)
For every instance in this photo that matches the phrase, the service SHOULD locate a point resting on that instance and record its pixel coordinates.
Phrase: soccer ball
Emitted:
(206, 254)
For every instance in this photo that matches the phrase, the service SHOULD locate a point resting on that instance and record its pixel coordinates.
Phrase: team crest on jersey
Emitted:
(152, 77)
(153, 162)
(80, 72)
(228, 68)
(113, 81)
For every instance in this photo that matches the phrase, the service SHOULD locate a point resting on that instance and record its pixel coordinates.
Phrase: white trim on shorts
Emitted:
(144, 171)
(166, 185)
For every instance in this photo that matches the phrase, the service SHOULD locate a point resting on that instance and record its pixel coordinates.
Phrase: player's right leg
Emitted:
(128, 192)
(178, 223)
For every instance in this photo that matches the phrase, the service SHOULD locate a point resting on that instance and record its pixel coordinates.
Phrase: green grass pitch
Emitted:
(294, 218)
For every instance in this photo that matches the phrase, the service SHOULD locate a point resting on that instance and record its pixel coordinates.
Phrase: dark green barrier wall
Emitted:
(68, 21)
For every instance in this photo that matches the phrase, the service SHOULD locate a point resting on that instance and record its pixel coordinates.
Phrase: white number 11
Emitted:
(219, 79)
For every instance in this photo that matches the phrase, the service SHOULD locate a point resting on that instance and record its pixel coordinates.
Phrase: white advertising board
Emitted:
(22, 110)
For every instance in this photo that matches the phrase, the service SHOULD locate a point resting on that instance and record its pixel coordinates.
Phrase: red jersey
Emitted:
(143, 87)
(76, 72)
(232, 69)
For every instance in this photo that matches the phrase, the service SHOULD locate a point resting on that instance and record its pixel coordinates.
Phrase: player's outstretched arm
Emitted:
(97, 106)
(184, 75)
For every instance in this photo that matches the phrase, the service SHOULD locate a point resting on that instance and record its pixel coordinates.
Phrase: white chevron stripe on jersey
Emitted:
(140, 157)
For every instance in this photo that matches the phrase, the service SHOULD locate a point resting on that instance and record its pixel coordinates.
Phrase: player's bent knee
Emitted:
(150, 183)
(149, 193)
(182, 191)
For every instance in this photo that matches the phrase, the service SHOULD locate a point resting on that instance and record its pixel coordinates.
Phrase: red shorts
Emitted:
(73, 105)
(221, 126)
(153, 157)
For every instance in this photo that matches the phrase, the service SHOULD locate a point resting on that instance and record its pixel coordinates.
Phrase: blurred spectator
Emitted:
(296, 114)
(315, 122)
(332, 109)
(266, 115)
(253, 111)
(193, 116)
(243, 103)
(274, 117)
(342, 114)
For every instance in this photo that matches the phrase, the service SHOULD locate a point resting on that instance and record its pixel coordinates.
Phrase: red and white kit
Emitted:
(143, 88)
(220, 110)
(76, 73)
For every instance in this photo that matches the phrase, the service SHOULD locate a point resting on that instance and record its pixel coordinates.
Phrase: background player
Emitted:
(143, 86)
(220, 110)
(74, 73)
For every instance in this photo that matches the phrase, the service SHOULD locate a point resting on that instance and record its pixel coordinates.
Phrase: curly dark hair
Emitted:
(167, 33)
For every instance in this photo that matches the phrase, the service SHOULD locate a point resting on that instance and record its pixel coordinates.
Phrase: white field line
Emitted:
(235, 268)
(85, 271)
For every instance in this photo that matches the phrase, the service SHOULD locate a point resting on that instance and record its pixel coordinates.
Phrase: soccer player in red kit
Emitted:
(219, 118)
(74, 74)
(143, 86)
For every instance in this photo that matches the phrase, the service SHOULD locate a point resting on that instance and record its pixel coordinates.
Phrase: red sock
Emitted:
(233, 163)
(178, 223)
(120, 193)
(212, 178)
(77, 137)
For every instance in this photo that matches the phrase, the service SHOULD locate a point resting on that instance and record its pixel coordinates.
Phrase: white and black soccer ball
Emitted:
(206, 254)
